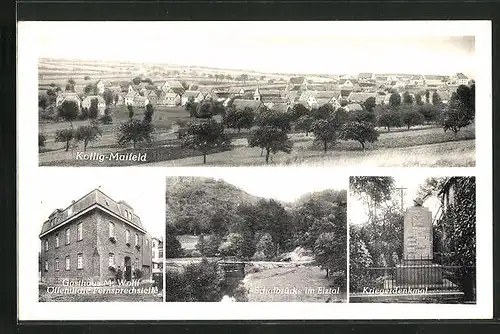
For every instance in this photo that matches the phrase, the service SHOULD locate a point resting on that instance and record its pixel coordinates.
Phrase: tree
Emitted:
(329, 251)
(298, 111)
(411, 118)
(238, 119)
(325, 131)
(108, 96)
(244, 78)
(407, 98)
(418, 99)
(467, 97)
(41, 140)
(395, 100)
(361, 116)
(173, 247)
(370, 104)
(134, 131)
(116, 98)
(208, 245)
(361, 132)
(71, 82)
(232, 246)
(264, 247)
(94, 108)
(274, 119)
(86, 78)
(359, 260)
(427, 96)
(271, 139)
(204, 109)
(429, 112)
(456, 116)
(90, 89)
(389, 119)
(137, 80)
(304, 123)
(64, 136)
(148, 114)
(68, 111)
(436, 99)
(87, 134)
(325, 111)
(106, 118)
(205, 137)
(378, 189)
(70, 87)
(130, 111)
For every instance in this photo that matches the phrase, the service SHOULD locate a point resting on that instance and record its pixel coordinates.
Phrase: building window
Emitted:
(57, 240)
(68, 263)
(160, 253)
(147, 243)
(46, 245)
(127, 236)
(79, 231)
(136, 264)
(79, 262)
(67, 236)
(126, 214)
(111, 229)
(57, 264)
(136, 239)
(111, 260)
(46, 265)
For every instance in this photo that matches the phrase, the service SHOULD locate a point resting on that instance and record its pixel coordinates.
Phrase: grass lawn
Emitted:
(45, 296)
(302, 278)
(426, 147)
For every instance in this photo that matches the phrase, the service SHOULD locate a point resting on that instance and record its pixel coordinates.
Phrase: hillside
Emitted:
(196, 200)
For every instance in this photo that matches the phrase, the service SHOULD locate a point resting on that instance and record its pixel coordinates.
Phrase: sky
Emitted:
(357, 210)
(58, 187)
(285, 47)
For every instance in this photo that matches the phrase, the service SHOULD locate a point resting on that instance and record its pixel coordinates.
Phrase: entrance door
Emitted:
(128, 269)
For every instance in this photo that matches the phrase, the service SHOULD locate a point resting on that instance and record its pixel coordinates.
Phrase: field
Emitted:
(425, 146)
(300, 277)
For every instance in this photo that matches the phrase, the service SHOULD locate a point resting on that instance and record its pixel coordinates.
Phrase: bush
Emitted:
(199, 282)
(138, 273)
(41, 140)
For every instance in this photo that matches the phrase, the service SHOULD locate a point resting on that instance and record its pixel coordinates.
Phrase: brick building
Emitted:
(92, 238)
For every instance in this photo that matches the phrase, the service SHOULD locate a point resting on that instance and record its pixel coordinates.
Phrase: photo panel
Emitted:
(256, 238)
(412, 240)
(99, 239)
(409, 101)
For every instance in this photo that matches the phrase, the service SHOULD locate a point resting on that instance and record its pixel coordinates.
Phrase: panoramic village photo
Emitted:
(252, 239)
(412, 241)
(300, 96)
(98, 243)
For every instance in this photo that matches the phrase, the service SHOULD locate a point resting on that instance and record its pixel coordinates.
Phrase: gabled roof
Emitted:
(360, 96)
(168, 95)
(343, 81)
(270, 92)
(364, 75)
(242, 104)
(91, 97)
(191, 93)
(235, 90)
(95, 199)
(304, 97)
(280, 107)
(354, 107)
(323, 94)
(461, 76)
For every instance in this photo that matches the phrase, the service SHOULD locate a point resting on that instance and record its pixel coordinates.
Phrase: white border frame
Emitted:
(30, 309)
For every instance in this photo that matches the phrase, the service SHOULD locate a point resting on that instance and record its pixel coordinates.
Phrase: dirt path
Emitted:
(291, 284)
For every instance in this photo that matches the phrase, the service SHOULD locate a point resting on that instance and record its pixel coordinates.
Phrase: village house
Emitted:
(351, 107)
(366, 76)
(327, 97)
(92, 238)
(152, 97)
(173, 84)
(101, 104)
(459, 79)
(348, 84)
(140, 101)
(435, 80)
(195, 95)
(131, 95)
(241, 104)
(169, 99)
(100, 86)
(307, 99)
(359, 97)
(157, 255)
(297, 83)
(417, 80)
(66, 96)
